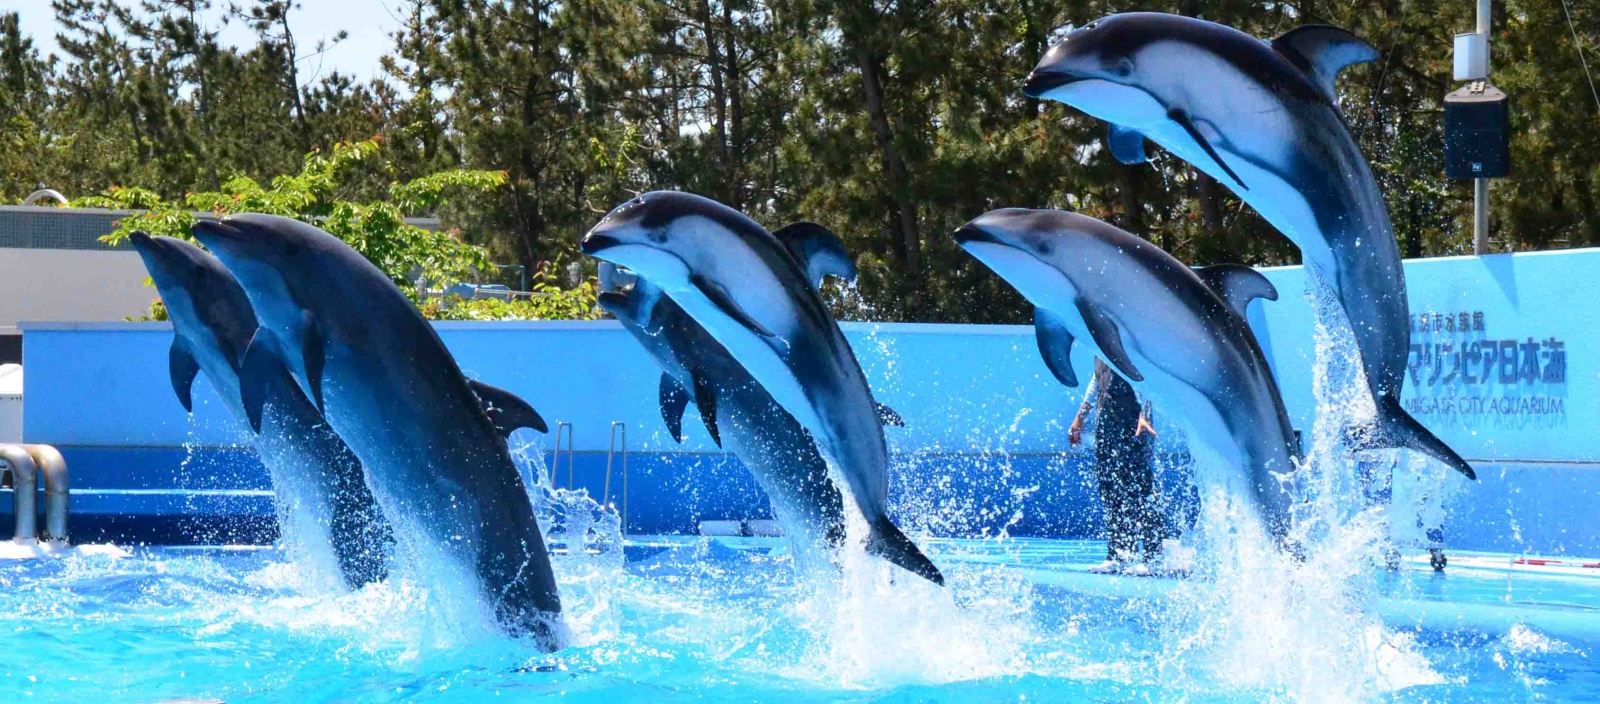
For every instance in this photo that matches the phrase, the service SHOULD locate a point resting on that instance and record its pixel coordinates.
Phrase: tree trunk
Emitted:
(734, 172)
(1218, 244)
(719, 96)
(293, 76)
(909, 245)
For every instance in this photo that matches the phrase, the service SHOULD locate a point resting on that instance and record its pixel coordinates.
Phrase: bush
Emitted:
(376, 229)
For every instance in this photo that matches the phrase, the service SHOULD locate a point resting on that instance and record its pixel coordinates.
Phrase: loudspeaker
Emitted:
(1477, 132)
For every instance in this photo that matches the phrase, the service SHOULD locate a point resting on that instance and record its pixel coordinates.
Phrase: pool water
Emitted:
(726, 619)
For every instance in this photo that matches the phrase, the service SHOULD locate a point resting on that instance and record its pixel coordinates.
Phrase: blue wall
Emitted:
(985, 421)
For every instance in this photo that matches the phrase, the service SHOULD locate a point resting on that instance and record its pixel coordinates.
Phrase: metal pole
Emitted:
(1480, 191)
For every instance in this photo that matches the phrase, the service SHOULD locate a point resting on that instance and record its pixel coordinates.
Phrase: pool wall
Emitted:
(1503, 367)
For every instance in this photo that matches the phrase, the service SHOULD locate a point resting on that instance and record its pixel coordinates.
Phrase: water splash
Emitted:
(1258, 619)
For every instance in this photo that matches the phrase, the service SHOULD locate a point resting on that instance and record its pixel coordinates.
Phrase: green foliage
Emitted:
(890, 123)
(377, 229)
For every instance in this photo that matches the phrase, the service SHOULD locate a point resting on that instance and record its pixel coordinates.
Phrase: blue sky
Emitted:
(369, 23)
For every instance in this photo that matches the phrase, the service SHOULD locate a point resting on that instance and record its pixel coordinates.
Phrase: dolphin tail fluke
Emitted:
(1395, 428)
(890, 544)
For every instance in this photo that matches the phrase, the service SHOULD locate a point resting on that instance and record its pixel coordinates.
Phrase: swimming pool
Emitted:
(724, 619)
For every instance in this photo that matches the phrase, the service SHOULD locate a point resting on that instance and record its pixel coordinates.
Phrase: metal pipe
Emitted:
(555, 459)
(24, 491)
(1480, 216)
(53, 467)
(611, 449)
(1480, 190)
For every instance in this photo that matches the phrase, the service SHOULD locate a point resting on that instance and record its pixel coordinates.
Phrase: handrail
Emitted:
(555, 460)
(53, 467)
(611, 449)
(24, 491)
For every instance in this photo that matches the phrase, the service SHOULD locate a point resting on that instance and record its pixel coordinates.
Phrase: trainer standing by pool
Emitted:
(1123, 450)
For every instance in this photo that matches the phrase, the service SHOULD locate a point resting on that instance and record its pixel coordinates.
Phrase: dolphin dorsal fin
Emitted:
(1322, 52)
(506, 410)
(1127, 145)
(183, 368)
(1108, 336)
(1055, 346)
(673, 398)
(818, 250)
(1237, 285)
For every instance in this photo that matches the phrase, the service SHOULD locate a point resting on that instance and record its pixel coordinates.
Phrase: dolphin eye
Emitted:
(1123, 68)
(658, 235)
(1044, 247)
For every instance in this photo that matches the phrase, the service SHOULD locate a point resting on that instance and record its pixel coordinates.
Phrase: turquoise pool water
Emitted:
(680, 619)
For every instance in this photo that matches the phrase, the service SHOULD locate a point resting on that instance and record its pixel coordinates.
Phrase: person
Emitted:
(1123, 451)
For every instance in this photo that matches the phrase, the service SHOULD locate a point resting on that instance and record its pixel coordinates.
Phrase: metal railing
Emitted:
(616, 458)
(25, 464)
(555, 461)
(611, 451)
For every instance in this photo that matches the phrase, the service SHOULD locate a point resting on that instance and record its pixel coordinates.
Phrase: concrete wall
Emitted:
(71, 284)
(985, 421)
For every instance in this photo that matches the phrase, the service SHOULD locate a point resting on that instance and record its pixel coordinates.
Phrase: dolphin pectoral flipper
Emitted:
(705, 401)
(507, 410)
(888, 416)
(1187, 123)
(674, 398)
(886, 541)
(261, 365)
(1237, 285)
(183, 369)
(724, 300)
(313, 354)
(1055, 346)
(818, 250)
(1105, 333)
(1322, 52)
(1395, 428)
(1127, 145)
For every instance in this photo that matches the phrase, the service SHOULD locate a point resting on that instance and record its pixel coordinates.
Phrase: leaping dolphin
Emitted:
(1176, 334)
(435, 455)
(753, 296)
(735, 409)
(1260, 117)
(322, 500)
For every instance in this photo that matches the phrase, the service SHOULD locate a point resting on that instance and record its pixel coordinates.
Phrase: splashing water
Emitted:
(1259, 619)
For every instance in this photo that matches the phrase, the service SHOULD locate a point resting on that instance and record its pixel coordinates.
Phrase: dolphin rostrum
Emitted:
(1176, 334)
(323, 503)
(1261, 118)
(751, 294)
(431, 440)
(735, 409)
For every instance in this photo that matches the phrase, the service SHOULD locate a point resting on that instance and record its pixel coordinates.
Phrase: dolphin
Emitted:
(1261, 117)
(738, 412)
(322, 499)
(751, 293)
(431, 440)
(1178, 335)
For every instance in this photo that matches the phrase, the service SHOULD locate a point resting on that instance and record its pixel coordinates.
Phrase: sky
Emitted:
(369, 23)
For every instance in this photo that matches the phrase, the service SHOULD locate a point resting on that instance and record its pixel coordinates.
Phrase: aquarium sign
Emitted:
(1457, 368)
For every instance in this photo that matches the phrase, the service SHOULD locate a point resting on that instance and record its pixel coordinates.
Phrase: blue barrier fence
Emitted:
(1503, 367)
